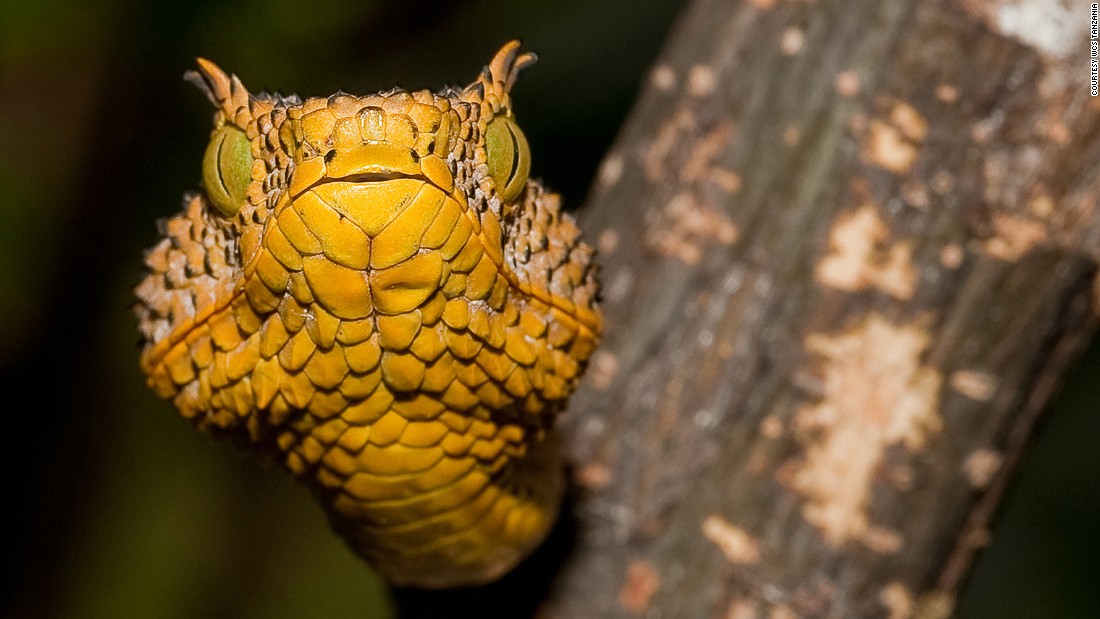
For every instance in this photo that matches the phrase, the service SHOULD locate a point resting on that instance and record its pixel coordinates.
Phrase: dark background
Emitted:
(117, 508)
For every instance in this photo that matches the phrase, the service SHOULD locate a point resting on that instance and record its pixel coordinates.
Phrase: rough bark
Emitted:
(849, 250)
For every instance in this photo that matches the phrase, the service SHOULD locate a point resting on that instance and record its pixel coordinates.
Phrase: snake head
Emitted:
(370, 157)
(373, 292)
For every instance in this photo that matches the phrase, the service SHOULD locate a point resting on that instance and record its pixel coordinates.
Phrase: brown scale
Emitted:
(371, 292)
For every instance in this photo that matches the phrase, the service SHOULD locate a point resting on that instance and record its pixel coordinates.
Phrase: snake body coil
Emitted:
(371, 292)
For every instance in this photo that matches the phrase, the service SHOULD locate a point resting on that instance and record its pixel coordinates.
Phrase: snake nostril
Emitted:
(330, 155)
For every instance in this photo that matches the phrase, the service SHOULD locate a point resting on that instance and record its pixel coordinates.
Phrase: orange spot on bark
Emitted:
(882, 540)
(951, 256)
(791, 136)
(603, 368)
(791, 41)
(771, 427)
(593, 476)
(611, 170)
(947, 93)
(847, 83)
(980, 466)
(663, 78)
(978, 386)
(1041, 204)
(608, 241)
(942, 182)
(737, 544)
(742, 608)
(641, 583)
(701, 80)
(898, 600)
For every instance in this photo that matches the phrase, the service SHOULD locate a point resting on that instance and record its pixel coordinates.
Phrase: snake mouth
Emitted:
(367, 178)
(374, 177)
(369, 163)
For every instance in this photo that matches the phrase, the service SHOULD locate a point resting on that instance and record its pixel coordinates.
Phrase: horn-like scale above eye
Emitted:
(509, 157)
(227, 169)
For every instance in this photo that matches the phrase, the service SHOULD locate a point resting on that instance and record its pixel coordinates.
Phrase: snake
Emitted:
(373, 293)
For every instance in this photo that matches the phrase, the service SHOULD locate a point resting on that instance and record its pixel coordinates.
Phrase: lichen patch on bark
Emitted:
(747, 608)
(742, 608)
(1014, 236)
(740, 547)
(847, 83)
(771, 427)
(682, 227)
(703, 163)
(607, 241)
(952, 255)
(947, 93)
(883, 540)
(791, 135)
(701, 80)
(705, 156)
(915, 193)
(980, 466)
(663, 78)
(906, 118)
(973, 384)
(886, 148)
(690, 218)
(792, 40)
(593, 476)
(610, 170)
(1041, 204)
(1053, 27)
(898, 600)
(877, 395)
(893, 141)
(859, 257)
(665, 139)
(602, 369)
(935, 605)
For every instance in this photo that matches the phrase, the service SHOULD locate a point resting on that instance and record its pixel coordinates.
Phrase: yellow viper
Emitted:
(370, 291)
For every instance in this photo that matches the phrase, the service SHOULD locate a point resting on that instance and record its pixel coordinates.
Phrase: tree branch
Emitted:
(849, 251)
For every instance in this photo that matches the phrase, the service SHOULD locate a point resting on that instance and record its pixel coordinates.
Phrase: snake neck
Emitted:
(464, 521)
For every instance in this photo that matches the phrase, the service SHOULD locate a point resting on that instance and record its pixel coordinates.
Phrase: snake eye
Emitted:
(509, 157)
(227, 169)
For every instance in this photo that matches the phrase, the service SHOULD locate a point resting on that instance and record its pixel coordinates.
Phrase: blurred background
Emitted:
(118, 508)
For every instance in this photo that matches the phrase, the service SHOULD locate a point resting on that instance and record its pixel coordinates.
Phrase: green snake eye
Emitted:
(509, 157)
(227, 169)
